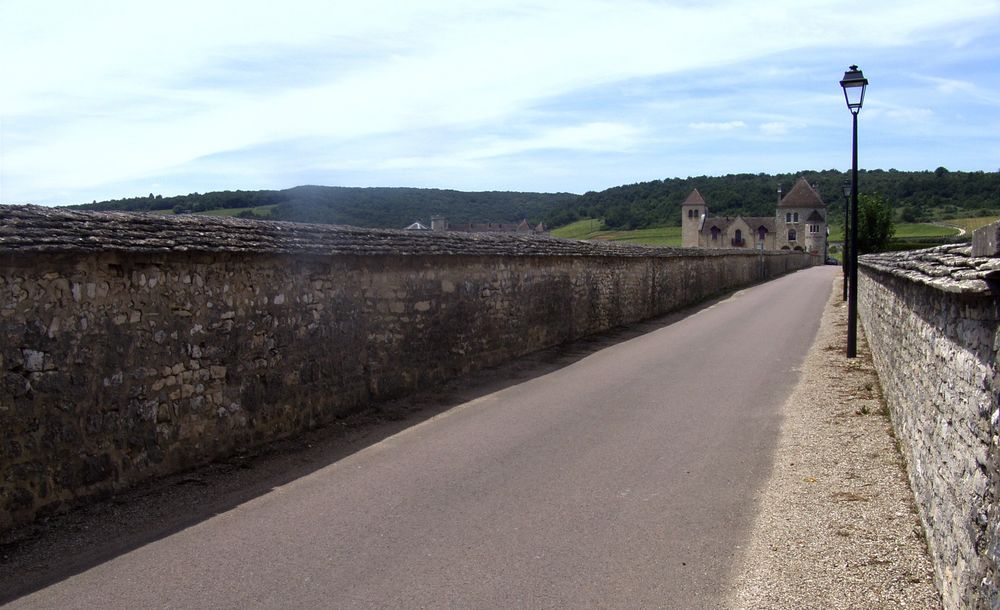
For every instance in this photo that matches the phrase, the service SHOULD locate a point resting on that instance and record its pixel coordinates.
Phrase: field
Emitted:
(671, 236)
(262, 210)
(594, 229)
(909, 231)
(970, 224)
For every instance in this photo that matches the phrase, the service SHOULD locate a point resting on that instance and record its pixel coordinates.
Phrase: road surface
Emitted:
(624, 479)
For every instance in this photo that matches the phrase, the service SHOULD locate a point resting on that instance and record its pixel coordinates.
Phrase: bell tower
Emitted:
(693, 212)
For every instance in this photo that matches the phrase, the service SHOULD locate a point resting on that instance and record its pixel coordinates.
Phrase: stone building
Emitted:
(440, 223)
(799, 223)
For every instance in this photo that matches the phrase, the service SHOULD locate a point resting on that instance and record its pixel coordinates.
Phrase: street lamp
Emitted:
(854, 84)
(847, 210)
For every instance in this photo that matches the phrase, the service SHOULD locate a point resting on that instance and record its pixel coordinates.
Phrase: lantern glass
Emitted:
(854, 85)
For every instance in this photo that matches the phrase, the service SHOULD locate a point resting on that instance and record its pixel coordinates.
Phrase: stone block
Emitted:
(986, 240)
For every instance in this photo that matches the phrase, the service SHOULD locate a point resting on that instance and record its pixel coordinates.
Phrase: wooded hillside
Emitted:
(915, 196)
(392, 208)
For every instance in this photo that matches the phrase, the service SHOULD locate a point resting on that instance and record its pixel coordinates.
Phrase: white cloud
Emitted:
(775, 128)
(108, 92)
(727, 126)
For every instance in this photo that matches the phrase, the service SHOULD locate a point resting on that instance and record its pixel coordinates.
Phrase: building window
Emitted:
(715, 233)
(814, 229)
(788, 217)
(791, 235)
(761, 233)
(795, 217)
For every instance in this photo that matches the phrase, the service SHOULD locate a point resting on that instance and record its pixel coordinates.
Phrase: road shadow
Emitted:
(58, 547)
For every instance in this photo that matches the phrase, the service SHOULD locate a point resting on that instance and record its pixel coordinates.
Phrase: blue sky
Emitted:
(110, 99)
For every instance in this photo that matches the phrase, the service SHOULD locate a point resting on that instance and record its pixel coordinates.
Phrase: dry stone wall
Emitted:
(133, 346)
(931, 318)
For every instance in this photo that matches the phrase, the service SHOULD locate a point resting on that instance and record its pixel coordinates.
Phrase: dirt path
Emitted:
(961, 231)
(837, 526)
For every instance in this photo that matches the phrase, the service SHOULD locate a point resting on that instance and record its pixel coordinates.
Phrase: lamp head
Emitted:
(854, 85)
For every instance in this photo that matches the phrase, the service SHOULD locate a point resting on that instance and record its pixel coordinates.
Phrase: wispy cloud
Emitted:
(726, 126)
(106, 95)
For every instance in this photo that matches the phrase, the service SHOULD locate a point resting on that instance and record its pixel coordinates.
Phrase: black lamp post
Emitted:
(854, 85)
(847, 210)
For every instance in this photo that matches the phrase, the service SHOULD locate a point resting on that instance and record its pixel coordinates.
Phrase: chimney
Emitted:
(439, 223)
(779, 194)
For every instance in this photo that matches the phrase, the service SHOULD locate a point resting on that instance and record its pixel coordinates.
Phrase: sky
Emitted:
(110, 99)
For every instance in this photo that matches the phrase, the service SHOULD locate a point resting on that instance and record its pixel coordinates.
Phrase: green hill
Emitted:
(917, 197)
(363, 207)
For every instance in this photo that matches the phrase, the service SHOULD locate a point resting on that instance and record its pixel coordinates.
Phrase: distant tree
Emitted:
(875, 226)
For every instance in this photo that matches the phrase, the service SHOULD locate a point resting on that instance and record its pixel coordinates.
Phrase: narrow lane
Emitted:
(624, 479)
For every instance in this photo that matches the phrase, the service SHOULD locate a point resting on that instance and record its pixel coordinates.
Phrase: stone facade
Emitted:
(799, 224)
(440, 223)
(932, 318)
(133, 346)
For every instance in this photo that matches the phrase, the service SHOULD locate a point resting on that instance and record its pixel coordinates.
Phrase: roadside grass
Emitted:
(594, 229)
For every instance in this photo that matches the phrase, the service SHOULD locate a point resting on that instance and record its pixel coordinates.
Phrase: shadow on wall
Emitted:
(112, 527)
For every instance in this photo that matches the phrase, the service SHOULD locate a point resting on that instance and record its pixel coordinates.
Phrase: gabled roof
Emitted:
(716, 221)
(815, 217)
(802, 196)
(756, 222)
(724, 222)
(694, 198)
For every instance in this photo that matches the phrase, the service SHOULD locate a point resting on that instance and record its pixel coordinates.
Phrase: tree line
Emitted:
(377, 207)
(914, 196)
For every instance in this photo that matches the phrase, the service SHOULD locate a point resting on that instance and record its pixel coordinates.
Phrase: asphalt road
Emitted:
(625, 479)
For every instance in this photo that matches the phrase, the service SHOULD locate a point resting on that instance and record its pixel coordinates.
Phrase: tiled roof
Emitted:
(802, 196)
(717, 221)
(755, 222)
(815, 217)
(694, 198)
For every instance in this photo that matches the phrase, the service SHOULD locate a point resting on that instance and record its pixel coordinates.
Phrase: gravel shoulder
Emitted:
(837, 526)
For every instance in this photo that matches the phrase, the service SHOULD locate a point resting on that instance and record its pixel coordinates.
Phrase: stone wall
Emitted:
(133, 346)
(931, 318)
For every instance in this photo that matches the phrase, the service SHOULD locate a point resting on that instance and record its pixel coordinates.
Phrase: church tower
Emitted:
(693, 211)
